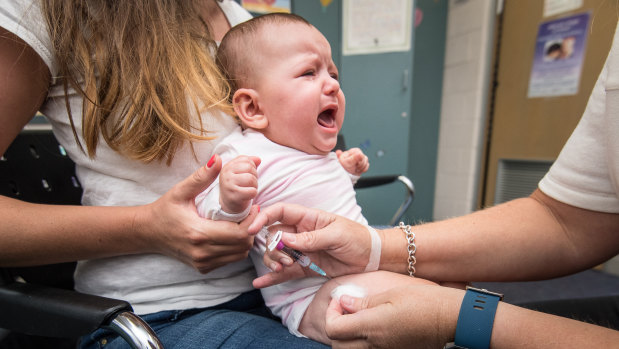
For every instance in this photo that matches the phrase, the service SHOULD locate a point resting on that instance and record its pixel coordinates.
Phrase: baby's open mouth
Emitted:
(327, 118)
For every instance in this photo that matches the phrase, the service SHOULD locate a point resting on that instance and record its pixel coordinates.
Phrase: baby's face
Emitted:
(298, 88)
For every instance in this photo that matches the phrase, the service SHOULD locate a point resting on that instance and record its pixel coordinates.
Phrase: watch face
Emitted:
(453, 345)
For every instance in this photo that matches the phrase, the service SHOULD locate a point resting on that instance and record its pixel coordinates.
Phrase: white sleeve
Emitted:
(234, 12)
(353, 178)
(585, 173)
(24, 19)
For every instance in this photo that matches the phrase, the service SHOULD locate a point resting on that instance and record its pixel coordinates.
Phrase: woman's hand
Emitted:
(171, 226)
(419, 316)
(336, 244)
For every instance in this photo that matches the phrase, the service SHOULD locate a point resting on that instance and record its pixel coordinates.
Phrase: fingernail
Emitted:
(346, 300)
(258, 208)
(273, 266)
(290, 238)
(286, 261)
(211, 162)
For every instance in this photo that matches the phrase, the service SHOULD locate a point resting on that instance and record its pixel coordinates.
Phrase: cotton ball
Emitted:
(349, 290)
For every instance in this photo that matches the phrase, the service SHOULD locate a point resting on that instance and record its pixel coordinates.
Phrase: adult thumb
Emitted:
(198, 181)
(340, 326)
(353, 304)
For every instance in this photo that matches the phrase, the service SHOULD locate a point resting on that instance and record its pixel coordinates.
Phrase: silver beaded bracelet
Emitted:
(412, 248)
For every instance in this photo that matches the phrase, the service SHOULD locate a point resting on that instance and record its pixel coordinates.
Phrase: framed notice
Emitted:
(371, 26)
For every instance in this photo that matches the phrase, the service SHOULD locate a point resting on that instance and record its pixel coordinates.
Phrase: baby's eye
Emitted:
(335, 76)
(308, 73)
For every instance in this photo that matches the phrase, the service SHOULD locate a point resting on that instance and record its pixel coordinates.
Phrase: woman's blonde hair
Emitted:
(143, 69)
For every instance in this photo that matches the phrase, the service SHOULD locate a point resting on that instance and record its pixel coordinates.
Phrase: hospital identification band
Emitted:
(476, 319)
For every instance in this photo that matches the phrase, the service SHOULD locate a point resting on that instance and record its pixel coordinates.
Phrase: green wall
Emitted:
(378, 99)
(429, 53)
(379, 89)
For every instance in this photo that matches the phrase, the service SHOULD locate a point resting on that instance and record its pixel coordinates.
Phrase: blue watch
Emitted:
(476, 319)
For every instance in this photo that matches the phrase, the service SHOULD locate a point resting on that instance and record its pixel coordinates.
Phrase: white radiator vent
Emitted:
(518, 178)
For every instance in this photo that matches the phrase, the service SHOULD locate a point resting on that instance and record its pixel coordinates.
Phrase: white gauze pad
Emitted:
(349, 290)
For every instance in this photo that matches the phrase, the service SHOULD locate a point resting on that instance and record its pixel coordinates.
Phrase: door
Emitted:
(526, 134)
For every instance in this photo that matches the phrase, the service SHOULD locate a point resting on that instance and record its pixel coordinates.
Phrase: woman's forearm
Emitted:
(516, 327)
(504, 242)
(468, 247)
(529, 238)
(42, 234)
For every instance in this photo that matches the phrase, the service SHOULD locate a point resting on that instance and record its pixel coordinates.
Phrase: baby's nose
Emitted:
(331, 86)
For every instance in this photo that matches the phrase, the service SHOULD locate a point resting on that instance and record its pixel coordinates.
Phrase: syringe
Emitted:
(275, 243)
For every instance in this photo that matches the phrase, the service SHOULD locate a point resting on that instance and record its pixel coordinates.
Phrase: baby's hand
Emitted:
(353, 160)
(238, 183)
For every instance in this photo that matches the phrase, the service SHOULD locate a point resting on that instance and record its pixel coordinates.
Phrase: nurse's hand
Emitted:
(336, 244)
(422, 315)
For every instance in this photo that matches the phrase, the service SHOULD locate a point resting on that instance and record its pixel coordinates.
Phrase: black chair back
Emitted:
(36, 168)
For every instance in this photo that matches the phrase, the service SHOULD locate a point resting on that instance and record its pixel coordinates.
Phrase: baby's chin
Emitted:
(326, 148)
(317, 151)
(311, 149)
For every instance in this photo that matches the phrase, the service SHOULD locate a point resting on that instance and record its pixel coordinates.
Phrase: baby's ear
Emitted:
(246, 106)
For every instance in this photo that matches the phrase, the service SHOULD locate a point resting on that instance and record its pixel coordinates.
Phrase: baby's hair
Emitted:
(237, 47)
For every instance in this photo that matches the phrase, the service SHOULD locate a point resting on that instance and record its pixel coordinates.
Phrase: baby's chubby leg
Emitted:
(313, 322)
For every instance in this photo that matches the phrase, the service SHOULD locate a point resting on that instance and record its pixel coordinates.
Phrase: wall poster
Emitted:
(558, 58)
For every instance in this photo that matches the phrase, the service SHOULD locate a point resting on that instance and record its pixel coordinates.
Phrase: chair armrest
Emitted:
(52, 312)
(134, 330)
(367, 182)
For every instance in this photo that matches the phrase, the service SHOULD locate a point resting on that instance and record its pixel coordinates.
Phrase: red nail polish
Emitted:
(258, 208)
(211, 162)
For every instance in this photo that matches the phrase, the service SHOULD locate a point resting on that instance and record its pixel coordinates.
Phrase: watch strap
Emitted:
(476, 318)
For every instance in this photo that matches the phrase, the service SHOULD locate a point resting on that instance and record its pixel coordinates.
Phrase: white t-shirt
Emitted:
(586, 173)
(150, 282)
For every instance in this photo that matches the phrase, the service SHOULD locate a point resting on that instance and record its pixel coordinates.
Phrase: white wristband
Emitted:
(375, 251)
(217, 214)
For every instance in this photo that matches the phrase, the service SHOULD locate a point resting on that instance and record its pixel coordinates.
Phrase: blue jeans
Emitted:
(240, 323)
